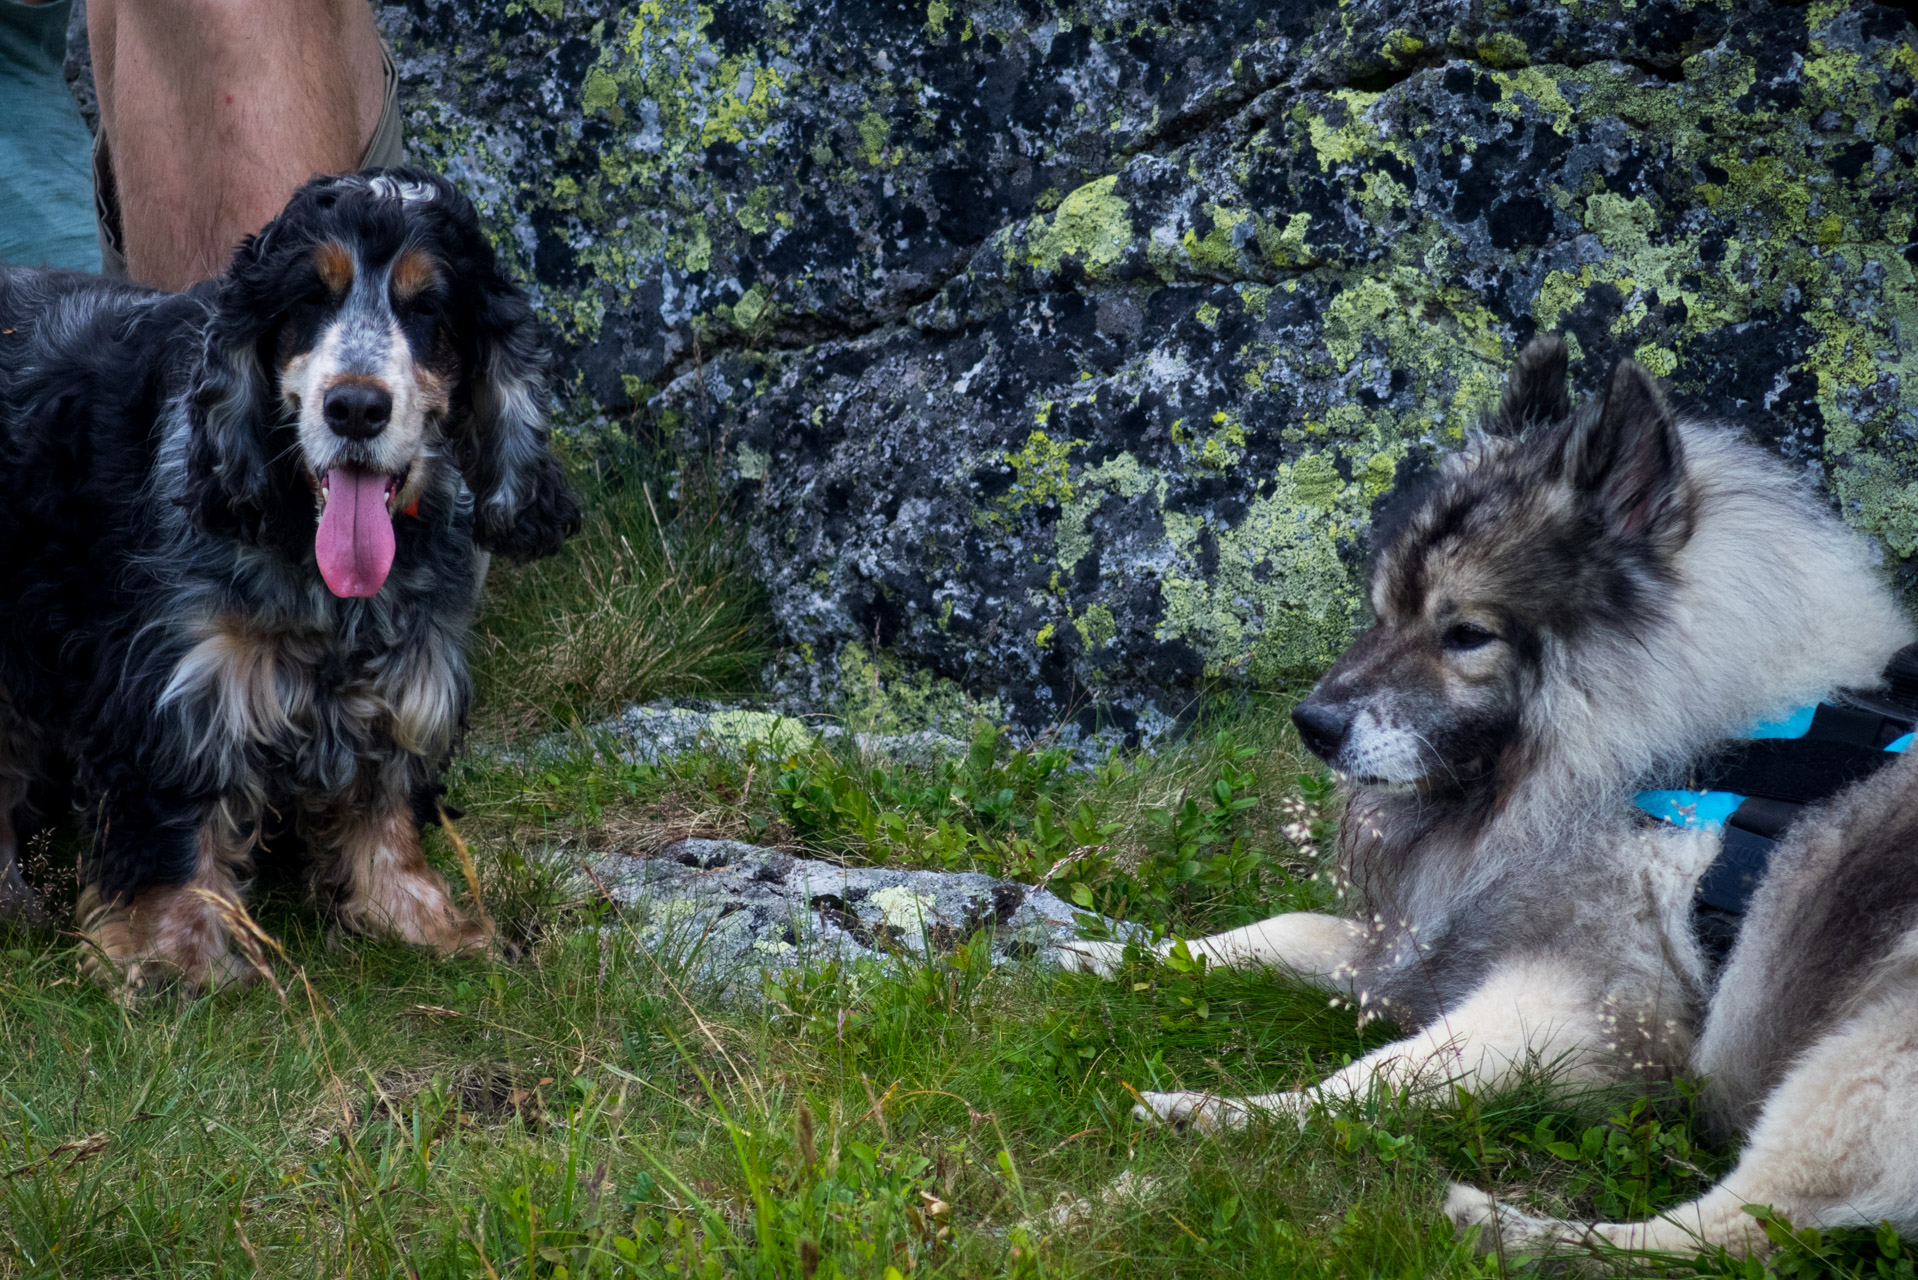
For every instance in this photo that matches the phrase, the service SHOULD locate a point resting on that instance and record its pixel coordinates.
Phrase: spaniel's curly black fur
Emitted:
(188, 632)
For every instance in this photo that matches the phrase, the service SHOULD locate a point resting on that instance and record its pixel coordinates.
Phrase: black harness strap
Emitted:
(1843, 746)
(1781, 778)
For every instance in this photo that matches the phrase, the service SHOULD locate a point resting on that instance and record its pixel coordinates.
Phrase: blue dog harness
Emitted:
(1758, 786)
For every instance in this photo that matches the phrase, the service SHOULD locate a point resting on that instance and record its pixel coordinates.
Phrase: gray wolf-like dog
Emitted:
(1579, 605)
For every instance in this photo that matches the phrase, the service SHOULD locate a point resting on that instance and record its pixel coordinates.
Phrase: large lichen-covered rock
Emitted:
(1063, 353)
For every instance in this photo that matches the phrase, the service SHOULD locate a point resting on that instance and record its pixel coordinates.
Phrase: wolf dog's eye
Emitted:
(1463, 635)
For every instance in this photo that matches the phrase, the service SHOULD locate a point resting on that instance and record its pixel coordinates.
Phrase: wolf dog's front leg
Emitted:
(1835, 1145)
(388, 890)
(1528, 1011)
(1315, 948)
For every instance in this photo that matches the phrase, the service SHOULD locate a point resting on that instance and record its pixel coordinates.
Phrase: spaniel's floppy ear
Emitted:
(228, 406)
(523, 507)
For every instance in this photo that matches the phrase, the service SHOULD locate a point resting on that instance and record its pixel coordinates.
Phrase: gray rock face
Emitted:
(729, 908)
(1066, 354)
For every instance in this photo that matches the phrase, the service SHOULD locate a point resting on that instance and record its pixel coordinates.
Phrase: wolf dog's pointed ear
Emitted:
(1629, 456)
(1535, 391)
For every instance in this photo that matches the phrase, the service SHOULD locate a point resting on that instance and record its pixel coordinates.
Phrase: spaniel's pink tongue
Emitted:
(354, 544)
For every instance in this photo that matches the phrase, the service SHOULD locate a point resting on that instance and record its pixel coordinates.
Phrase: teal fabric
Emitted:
(1711, 809)
(46, 175)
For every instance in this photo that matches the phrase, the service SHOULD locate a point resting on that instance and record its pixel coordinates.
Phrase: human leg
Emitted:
(215, 110)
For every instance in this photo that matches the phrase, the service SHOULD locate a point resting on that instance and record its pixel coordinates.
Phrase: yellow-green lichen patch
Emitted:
(755, 215)
(1380, 195)
(1042, 471)
(1363, 307)
(1121, 475)
(1875, 496)
(879, 693)
(1376, 477)
(1660, 362)
(751, 463)
(1400, 47)
(1091, 224)
(1537, 85)
(1624, 226)
(1503, 49)
(1096, 626)
(669, 93)
(1217, 251)
(1842, 360)
(1355, 139)
(599, 92)
(698, 94)
(1280, 601)
(874, 130)
(754, 310)
(1315, 482)
(1215, 450)
(1286, 247)
(904, 910)
(1453, 348)
(738, 729)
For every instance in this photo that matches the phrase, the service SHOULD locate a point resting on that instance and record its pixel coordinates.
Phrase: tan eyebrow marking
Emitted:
(414, 271)
(334, 262)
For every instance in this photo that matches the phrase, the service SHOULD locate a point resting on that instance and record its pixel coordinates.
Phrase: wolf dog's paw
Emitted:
(1101, 959)
(1210, 1113)
(1204, 1111)
(1469, 1207)
(1500, 1225)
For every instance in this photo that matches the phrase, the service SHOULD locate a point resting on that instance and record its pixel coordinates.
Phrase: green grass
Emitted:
(593, 1110)
(649, 600)
(598, 1109)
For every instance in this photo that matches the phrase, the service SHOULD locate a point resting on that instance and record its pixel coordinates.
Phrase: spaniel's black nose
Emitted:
(1323, 728)
(357, 410)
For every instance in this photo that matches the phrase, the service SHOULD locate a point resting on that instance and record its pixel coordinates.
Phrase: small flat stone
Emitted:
(729, 906)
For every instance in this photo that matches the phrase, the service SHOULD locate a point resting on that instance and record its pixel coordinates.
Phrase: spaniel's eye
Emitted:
(416, 304)
(1463, 636)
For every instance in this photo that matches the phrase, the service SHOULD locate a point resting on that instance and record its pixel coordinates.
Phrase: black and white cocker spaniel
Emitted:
(243, 531)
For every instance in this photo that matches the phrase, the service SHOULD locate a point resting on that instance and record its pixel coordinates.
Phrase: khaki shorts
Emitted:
(383, 150)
